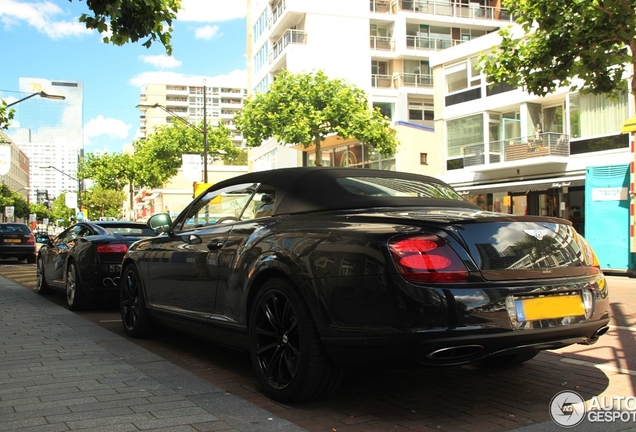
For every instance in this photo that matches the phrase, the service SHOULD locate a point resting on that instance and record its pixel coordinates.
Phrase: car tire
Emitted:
(75, 296)
(508, 360)
(286, 352)
(40, 280)
(132, 304)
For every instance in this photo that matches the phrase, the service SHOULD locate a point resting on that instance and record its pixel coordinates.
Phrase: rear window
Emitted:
(397, 187)
(130, 230)
(14, 228)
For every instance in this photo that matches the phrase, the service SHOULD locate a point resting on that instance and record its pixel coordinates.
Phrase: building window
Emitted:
(462, 76)
(595, 115)
(423, 158)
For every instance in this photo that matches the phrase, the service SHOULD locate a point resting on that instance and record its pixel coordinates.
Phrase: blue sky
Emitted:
(43, 39)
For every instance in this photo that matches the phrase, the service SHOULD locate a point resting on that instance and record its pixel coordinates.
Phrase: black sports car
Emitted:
(84, 260)
(311, 269)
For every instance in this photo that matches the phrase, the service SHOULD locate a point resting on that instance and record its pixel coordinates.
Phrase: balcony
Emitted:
(382, 43)
(536, 148)
(415, 80)
(455, 10)
(289, 37)
(427, 43)
(380, 6)
(381, 81)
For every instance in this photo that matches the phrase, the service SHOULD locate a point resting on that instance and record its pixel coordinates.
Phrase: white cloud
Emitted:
(101, 125)
(211, 10)
(161, 61)
(207, 32)
(42, 16)
(236, 78)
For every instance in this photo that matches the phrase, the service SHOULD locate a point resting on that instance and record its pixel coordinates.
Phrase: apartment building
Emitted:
(14, 166)
(162, 104)
(51, 134)
(381, 46)
(561, 155)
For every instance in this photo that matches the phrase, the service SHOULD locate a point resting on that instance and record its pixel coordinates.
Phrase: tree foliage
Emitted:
(124, 21)
(9, 198)
(61, 212)
(304, 109)
(581, 44)
(156, 159)
(101, 202)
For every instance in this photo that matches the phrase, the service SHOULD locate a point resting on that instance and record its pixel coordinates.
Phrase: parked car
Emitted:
(84, 261)
(17, 241)
(314, 269)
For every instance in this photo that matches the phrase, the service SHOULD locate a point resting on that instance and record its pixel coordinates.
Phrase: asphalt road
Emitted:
(453, 399)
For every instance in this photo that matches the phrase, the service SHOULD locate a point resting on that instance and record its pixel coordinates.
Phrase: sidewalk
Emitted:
(60, 372)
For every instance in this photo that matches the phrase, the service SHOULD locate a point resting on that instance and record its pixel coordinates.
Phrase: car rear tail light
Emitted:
(427, 258)
(30, 240)
(112, 248)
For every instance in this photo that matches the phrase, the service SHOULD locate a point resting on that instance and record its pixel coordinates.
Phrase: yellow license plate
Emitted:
(12, 240)
(540, 308)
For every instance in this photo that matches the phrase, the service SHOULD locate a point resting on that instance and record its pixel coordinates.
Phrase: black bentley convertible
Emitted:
(314, 269)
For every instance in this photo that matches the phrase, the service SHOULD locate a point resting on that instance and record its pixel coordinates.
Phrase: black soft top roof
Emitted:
(311, 189)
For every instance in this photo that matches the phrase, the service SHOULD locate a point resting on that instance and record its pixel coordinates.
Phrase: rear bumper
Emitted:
(17, 251)
(456, 347)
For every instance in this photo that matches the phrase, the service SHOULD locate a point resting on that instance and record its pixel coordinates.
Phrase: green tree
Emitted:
(9, 198)
(581, 44)
(303, 109)
(61, 212)
(124, 21)
(40, 211)
(103, 202)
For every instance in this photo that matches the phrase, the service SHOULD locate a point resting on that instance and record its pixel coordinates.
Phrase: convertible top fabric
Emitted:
(314, 189)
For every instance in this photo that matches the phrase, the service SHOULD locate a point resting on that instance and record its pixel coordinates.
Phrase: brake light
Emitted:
(112, 248)
(30, 240)
(427, 258)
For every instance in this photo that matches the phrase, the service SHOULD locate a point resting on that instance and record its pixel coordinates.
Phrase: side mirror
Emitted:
(160, 223)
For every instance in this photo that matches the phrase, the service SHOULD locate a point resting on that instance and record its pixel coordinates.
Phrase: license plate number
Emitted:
(540, 308)
(12, 240)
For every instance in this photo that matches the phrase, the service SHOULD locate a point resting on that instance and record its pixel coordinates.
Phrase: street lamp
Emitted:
(187, 123)
(41, 94)
(79, 183)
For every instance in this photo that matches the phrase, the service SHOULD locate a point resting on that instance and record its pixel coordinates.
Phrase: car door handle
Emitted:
(215, 245)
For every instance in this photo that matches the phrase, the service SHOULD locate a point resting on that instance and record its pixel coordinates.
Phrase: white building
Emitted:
(51, 134)
(561, 155)
(383, 47)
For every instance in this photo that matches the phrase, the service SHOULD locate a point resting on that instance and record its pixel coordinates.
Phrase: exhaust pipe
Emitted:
(116, 281)
(601, 331)
(455, 353)
(107, 282)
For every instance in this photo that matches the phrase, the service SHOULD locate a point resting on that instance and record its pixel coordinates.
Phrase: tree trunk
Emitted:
(318, 151)
(130, 204)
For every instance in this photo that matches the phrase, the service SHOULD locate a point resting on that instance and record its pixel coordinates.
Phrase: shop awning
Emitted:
(524, 186)
(629, 125)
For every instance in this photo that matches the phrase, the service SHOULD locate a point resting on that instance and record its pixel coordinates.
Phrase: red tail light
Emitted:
(30, 240)
(427, 258)
(112, 248)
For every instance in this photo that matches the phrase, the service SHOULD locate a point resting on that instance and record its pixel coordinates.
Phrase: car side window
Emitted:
(263, 202)
(218, 206)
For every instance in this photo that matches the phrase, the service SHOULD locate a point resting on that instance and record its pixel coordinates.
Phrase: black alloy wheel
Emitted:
(75, 297)
(285, 348)
(40, 282)
(132, 305)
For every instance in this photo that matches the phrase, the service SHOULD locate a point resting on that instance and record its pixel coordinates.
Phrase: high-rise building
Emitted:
(51, 134)
(382, 47)
(185, 101)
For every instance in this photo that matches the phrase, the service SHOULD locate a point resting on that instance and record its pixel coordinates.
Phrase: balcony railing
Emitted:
(381, 81)
(412, 80)
(380, 6)
(457, 10)
(276, 13)
(382, 43)
(518, 149)
(428, 43)
(289, 37)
